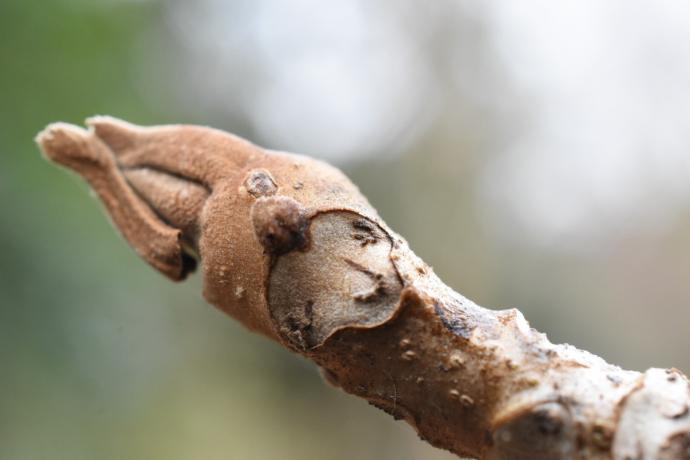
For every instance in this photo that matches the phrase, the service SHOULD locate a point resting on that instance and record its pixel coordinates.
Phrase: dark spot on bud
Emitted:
(280, 224)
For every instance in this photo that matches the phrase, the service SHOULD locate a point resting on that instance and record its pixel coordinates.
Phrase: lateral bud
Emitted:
(280, 224)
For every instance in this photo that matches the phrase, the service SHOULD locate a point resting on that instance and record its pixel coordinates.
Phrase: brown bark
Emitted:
(291, 249)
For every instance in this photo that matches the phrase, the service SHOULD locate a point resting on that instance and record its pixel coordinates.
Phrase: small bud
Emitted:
(260, 183)
(280, 224)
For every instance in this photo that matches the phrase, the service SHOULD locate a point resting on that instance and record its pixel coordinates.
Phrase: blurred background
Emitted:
(538, 157)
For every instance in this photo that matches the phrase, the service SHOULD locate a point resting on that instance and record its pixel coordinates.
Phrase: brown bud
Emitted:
(280, 224)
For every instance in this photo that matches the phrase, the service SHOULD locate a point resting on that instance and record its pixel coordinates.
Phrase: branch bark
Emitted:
(291, 249)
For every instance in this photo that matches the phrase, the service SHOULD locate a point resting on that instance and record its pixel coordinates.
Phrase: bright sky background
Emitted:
(601, 89)
(609, 88)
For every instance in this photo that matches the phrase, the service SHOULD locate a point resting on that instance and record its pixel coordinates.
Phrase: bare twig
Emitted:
(290, 248)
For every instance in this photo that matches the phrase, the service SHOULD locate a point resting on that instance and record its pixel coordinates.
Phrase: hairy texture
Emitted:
(280, 224)
(291, 249)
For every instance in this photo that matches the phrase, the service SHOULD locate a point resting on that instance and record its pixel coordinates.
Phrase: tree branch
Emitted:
(291, 249)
